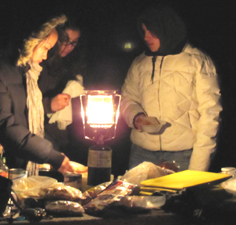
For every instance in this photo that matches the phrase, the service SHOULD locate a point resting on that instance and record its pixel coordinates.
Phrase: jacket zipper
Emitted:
(159, 96)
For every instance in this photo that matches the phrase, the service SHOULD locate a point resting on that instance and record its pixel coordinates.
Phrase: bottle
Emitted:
(4, 171)
(99, 165)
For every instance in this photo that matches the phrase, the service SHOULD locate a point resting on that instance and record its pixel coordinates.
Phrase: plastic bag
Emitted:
(59, 191)
(142, 202)
(64, 208)
(113, 193)
(30, 186)
(94, 191)
(144, 171)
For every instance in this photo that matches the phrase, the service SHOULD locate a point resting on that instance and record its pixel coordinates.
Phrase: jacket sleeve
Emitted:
(209, 107)
(17, 139)
(130, 101)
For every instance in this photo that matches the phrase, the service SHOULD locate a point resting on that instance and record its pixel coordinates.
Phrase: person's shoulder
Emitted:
(199, 56)
(139, 58)
(197, 51)
(9, 72)
(5, 65)
(191, 49)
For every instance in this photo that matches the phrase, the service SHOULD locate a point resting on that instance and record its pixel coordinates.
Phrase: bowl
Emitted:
(78, 168)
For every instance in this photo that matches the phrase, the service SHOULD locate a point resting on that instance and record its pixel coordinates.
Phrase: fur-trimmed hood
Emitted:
(27, 36)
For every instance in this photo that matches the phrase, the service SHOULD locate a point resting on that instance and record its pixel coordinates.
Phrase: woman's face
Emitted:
(41, 50)
(151, 40)
(68, 47)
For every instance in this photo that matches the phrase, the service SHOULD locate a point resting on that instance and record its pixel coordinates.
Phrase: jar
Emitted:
(73, 180)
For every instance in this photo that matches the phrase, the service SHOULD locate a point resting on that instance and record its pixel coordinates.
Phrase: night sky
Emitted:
(109, 24)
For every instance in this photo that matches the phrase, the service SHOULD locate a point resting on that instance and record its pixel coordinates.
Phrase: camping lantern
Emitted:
(100, 112)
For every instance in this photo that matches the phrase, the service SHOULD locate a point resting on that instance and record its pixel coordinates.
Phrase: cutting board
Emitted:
(184, 179)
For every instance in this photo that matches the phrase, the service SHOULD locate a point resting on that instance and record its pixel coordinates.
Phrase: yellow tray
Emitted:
(184, 179)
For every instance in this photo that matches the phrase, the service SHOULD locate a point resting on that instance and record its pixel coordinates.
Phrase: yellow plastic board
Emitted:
(154, 189)
(184, 179)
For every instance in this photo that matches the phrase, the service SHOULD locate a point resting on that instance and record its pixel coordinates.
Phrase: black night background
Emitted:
(109, 24)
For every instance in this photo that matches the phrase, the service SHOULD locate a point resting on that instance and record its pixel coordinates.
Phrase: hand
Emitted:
(140, 120)
(66, 166)
(170, 166)
(59, 102)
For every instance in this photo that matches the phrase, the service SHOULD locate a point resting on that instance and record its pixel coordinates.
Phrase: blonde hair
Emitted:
(37, 37)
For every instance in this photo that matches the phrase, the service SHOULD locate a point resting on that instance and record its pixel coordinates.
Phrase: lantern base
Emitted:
(97, 176)
(99, 164)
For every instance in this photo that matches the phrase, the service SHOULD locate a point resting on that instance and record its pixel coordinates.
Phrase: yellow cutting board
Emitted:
(184, 179)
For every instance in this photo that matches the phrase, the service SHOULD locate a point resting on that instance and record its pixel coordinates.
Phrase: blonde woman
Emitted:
(21, 109)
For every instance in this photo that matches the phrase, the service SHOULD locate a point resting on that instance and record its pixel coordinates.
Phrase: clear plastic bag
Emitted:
(64, 208)
(144, 171)
(59, 191)
(94, 191)
(143, 202)
(112, 194)
(30, 186)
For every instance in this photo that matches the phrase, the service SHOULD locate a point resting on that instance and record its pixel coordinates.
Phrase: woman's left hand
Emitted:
(59, 102)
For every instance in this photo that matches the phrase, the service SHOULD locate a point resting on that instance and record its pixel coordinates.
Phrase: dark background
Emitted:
(110, 23)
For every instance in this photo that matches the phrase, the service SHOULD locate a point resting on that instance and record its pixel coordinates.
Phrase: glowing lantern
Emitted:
(100, 112)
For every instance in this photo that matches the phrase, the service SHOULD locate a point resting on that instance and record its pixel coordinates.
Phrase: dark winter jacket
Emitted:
(15, 136)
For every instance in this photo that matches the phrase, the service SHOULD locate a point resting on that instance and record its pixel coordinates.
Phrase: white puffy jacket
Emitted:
(184, 93)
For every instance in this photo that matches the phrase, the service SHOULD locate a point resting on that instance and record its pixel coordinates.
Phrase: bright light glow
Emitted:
(127, 45)
(101, 125)
(100, 113)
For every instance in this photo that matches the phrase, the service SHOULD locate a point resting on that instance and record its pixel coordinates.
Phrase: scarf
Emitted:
(35, 109)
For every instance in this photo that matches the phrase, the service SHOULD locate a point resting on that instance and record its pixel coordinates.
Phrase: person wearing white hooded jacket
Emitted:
(175, 83)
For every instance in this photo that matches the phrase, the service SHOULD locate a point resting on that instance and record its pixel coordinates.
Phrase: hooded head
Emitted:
(167, 26)
(36, 36)
(29, 34)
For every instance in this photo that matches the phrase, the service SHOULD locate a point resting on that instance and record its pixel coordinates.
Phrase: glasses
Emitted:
(72, 43)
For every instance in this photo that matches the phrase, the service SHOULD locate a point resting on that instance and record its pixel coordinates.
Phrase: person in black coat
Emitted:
(21, 109)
